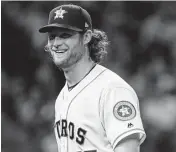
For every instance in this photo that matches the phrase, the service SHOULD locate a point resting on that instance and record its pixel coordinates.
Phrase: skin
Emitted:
(73, 57)
(69, 52)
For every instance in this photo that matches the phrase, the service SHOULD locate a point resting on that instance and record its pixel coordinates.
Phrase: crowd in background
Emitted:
(142, 50)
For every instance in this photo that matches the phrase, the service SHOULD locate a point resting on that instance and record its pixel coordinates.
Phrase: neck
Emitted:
(78, 71)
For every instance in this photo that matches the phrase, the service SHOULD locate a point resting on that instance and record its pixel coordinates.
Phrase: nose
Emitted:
(57, 42)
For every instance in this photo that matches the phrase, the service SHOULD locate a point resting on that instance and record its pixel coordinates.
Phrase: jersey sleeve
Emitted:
(121, 115)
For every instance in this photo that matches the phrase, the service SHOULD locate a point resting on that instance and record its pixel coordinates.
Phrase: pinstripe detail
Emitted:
(83, 89)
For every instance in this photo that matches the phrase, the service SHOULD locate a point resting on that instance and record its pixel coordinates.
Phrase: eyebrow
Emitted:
(60, 33)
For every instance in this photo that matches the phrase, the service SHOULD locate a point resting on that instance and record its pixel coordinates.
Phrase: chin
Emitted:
(61, 64)
(65, 63)
(59, 61)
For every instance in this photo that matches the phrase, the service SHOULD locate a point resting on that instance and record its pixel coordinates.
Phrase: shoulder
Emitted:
(116, 89)
(60, 94)
(111, 80)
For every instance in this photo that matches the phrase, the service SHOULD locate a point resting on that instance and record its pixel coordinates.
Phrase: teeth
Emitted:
(60, 51)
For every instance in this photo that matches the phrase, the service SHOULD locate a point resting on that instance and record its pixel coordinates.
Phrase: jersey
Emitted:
(95, 115)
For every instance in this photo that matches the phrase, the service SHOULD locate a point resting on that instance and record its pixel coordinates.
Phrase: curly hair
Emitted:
(98, 45)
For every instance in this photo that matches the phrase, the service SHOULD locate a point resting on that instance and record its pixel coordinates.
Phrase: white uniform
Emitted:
(95, 115)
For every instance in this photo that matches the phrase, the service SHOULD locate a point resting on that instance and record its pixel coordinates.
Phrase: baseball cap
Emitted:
(68, 16)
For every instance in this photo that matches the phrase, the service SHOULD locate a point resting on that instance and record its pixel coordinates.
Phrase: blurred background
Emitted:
(142, 51)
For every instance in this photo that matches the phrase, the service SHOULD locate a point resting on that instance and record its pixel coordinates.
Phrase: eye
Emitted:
(65, 35)
(51, 37)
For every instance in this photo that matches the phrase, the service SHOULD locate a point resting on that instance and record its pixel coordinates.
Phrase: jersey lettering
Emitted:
(81, 133)
(58, 129)
(71, 130)
(65, 129)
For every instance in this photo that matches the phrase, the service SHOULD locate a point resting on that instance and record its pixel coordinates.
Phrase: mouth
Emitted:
(61, 51)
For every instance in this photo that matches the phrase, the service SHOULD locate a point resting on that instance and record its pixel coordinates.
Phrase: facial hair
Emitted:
(72, 59)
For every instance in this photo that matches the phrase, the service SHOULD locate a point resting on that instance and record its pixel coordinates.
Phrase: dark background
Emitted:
(142, 51)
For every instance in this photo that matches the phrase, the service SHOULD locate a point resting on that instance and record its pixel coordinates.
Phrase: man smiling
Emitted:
(96, 111)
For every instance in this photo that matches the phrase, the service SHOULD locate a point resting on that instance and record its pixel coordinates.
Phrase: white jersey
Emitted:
(96, 114)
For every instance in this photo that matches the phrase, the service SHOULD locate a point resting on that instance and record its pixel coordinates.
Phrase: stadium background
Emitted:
(142, 51)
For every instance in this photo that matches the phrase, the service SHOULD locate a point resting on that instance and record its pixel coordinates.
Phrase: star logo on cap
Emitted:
(60, 13)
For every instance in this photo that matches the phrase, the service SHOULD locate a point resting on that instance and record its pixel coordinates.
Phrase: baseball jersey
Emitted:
(96, 114)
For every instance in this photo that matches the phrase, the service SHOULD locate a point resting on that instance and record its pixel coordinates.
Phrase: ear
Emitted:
(87, 37)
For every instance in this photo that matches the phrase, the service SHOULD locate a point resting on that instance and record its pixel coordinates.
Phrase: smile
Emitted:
(61, 51)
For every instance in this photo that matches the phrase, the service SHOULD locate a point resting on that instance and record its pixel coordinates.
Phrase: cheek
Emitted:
(75, 45)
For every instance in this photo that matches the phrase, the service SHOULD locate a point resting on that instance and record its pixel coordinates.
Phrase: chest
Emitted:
(78, 117)
(79, 108)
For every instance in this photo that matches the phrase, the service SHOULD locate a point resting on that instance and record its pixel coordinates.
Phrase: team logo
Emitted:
(124, 110)
(59, 13)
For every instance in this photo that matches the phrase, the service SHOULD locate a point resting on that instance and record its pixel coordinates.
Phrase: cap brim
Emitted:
(49, 27)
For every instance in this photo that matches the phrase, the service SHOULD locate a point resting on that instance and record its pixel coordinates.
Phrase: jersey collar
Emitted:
(96, 71)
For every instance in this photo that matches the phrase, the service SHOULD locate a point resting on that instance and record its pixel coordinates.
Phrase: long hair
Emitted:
(98, 45)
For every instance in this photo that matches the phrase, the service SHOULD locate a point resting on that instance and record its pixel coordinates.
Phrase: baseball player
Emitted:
(96, 111)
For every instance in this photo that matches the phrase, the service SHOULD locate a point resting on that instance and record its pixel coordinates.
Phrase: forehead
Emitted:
(61, 30)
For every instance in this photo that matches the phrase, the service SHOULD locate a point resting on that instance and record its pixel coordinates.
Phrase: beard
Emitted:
(72, 58)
